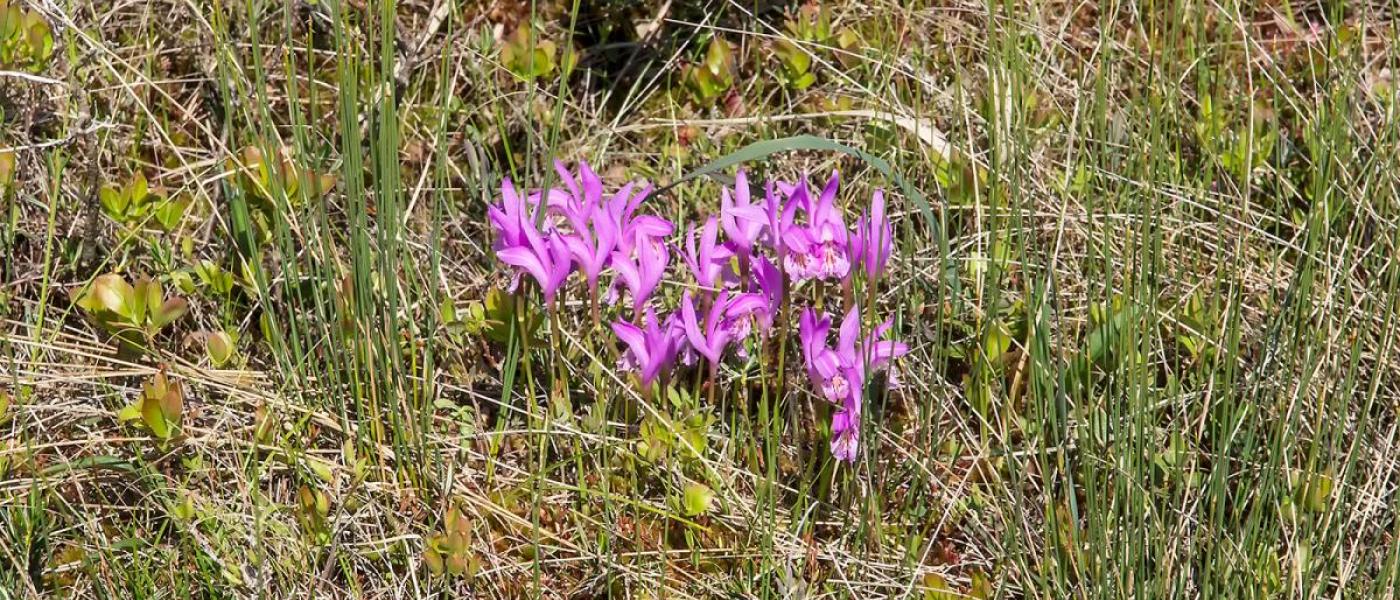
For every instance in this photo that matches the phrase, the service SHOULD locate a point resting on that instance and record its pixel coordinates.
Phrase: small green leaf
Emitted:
(937, 588)
(433, 559)
(7, 164)
(447, 311)
(9, 20)
(219, 346)
(154, 417)
(996, 341)
(113, 294)
(184, 509)
(183, 281)
(321, 469)
(697, 500)
(40, 40)
(138, 189)
(145, 297)
(210, 274)
(168, 312)
(129, 413)
(114, 202)
(170, 213)
(527, 56)
(172, 403)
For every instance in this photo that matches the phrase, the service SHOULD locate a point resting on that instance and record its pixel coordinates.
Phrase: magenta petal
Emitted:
(507, 229)
(653, 226)
(877, 209)
(726, 211)
(692, 325)
(744, 305)
(566, 177)
(510, 198)
(637, 200)
(632, 336)
(846, 443)
(708, 235)
(812, 328)
(626, 270)
(654, 257)
(521, 257)
(797, 240)
(592, 183)
(582, 252)
(824, 212)
(878, 254)
(826, 364)
(849, 333)
(882, 352)
(560, 265)
(881, 329)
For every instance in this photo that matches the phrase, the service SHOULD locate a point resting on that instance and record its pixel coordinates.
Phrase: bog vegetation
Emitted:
(711, 299)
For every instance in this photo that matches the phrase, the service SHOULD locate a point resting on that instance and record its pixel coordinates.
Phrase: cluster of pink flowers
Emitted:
(740, 284)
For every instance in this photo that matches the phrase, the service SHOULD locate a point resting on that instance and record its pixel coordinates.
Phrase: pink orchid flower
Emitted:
(650, 350)
(871, 241)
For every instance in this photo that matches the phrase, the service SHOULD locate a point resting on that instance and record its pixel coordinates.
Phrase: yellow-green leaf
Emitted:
(321, 468)
(171, 212)
(112, 293)
(172, 403)
(146, 297)
(168, 311)
(697, 500)
(154, 418)
(9, 21)
(219, 346)
(7, 168)
(113, 202)
(40, 40)
(129, 413)
(139, 188)
(433, 559)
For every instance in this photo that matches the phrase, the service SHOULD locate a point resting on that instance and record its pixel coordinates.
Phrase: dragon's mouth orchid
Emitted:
(710, 261)
(769, 281)
(740, 314)
(641, 275)
(651, 349)
(594, 228)
(592, 241)
(870, 242)
(547, 260)
(511, 218)
(845, 435)
(818, 251)
(780, 214)
(710, 337)
(793, 234)
(841, 373)
(685, 353)
(742, 220)
(860, 357)
(519, 243)
(722, 325)
(585, 192)
(632, 228)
